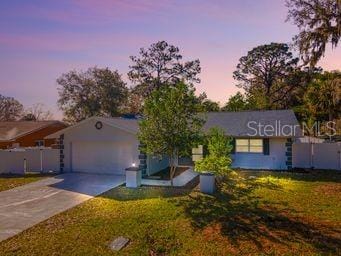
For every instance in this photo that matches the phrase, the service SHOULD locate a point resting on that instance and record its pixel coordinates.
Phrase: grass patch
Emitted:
(271, 213)
(9, 181)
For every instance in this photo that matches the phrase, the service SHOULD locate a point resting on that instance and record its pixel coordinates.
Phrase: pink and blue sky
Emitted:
(41, 39)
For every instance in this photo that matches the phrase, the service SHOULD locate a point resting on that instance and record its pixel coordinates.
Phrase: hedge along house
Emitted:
(263, 140)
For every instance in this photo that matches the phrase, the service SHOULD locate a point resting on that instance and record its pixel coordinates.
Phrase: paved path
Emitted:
(25, 206)
(179, 181)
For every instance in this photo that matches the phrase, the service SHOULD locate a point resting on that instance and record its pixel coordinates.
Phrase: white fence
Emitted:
(317, 155)
(31, 159)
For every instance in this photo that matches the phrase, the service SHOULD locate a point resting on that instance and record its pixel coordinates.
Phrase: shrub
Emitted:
(218, 160)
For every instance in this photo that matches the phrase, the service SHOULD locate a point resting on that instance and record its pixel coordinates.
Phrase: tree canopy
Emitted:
(207, 105)
(237, 102)
(323, 97)
(10, 108)
(160, 65)
(263, 70)
(171, 125)
(37, 112)
(319, 22)
(97, 91)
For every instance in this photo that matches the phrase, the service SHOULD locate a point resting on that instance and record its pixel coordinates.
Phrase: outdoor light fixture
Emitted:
(133, 164)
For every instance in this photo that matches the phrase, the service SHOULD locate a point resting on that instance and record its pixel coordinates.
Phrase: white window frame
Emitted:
(197, 153)
(249, 146)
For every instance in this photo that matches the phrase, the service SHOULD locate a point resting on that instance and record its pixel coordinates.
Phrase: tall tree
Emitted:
(159, 65)
(134, 103)
(263, 70)
(10, 108)
(237, 102)
(171, 125)
(319, 22)
(207, 105)
(93, 92)
(37, 112)
(210, 106)
(323, 97)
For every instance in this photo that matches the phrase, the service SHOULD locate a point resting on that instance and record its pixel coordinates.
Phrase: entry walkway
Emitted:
(179, 181)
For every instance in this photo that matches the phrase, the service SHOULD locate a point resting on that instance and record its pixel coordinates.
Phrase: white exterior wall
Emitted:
(302, 155)
(36, 159)
(87, 133)
(317, 155)
(275, 160)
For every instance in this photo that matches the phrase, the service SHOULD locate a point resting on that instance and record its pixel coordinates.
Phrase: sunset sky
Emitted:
(41, 39)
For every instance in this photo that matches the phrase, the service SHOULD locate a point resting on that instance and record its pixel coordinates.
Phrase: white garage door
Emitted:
(101, 157)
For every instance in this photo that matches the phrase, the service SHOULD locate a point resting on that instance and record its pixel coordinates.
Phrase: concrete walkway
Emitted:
(179, 181)
(25, 206)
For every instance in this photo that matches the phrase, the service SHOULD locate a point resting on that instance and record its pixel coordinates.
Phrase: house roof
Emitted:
(236, 124)
(255, 123)
(128, 124)
(10, 131)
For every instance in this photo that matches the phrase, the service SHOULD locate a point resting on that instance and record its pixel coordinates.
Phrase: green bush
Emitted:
(218, 160)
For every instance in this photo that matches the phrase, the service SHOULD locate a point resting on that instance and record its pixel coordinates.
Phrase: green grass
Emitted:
(273, 213)
(8, 181)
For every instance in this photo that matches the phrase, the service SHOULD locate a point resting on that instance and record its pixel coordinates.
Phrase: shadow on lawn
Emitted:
(241, 218)
(306, 175)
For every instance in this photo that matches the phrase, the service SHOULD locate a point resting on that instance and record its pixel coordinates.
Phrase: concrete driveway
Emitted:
(25, 206)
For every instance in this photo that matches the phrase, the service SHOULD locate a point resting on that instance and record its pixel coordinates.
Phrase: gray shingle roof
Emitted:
(239, 124)
(129, 124)
(245, 123)
(233, 123)
(11, 130)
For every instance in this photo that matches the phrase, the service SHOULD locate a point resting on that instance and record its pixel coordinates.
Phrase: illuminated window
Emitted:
(197, 153)
(249, 145)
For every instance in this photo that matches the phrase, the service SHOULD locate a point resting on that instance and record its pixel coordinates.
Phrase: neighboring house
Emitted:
(110, 145)
(17, 134)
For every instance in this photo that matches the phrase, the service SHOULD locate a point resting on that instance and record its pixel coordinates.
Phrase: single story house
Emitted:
(263, 140)
(17, 134)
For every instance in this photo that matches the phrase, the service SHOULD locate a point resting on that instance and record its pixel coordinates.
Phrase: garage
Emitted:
(99, 145)
(101, 157)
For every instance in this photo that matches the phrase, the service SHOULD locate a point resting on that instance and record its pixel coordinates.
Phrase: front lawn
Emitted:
(8, 181)
(269, 213)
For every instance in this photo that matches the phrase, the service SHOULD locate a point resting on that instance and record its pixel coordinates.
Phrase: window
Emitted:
(249, 145)
(197, 153)
(39, 143)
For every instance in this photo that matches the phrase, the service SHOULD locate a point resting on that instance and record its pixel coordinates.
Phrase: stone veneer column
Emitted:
(143, 160)
(288, 153)
(61, 153)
